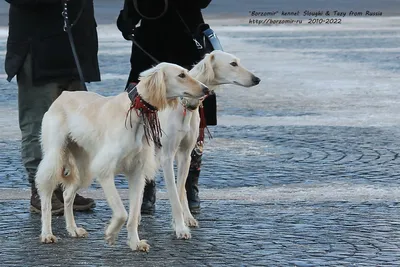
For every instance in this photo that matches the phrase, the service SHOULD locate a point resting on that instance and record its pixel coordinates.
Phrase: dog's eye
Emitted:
(182, 75)
(234, 64)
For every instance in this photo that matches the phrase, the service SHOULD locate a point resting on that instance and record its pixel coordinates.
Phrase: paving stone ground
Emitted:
(302, 170)
(231, 233)
(276, 155)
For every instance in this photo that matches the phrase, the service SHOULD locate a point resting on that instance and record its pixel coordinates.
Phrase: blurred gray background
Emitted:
(107, 10)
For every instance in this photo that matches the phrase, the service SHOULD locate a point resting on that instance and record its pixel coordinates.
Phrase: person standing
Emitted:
(39, 54)
(166, 34)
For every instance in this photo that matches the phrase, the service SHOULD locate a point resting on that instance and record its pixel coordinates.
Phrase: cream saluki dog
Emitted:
(181, 127)
(86, 135)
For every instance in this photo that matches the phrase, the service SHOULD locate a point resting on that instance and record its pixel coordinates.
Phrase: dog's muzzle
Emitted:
(255, 80)
(205, 89)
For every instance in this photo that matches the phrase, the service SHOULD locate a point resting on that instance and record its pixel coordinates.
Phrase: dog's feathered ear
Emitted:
(154, 82)
(207, 69)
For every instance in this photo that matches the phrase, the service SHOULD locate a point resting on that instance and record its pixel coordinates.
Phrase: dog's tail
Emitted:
(58, 164)
(58, 167)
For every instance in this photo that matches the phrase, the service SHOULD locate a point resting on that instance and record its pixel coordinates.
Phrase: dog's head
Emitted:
(220, 67)
(162, 84)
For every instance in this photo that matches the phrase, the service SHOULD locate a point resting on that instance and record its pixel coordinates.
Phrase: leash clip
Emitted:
(198, 45)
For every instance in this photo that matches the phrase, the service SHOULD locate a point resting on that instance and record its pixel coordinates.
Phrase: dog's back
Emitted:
(87, 115)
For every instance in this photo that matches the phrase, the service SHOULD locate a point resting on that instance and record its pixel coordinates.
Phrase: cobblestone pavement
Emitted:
(277, 155)
(231, 233)
(302, 170)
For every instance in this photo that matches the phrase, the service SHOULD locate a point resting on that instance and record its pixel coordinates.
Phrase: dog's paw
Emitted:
(191, 222)
(111, 238)
(47, 239)
(139, 246)
(77, 232)
(183, 233)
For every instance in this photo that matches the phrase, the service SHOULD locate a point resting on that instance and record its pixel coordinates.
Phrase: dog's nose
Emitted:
(256, 80)
(206, 91)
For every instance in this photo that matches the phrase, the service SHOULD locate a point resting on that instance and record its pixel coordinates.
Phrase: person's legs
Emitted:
(33, 103)
(192, 188)
(192, 181)
(141, 62)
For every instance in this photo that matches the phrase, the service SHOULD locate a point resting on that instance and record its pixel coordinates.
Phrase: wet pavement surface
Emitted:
(316, 143)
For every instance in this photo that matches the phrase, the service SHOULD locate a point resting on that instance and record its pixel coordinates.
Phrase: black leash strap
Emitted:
(144, 51)
(67, 28)
(198, 45)
(132, 91)
(209, 33)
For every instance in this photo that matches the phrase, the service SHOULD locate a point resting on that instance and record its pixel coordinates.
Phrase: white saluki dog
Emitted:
(181, 127)
(86, 135)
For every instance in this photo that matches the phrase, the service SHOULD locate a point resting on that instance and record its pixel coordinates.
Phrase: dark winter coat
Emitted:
(167, 38)
(36, 27)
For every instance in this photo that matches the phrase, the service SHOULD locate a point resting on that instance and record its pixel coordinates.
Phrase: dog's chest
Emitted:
(134, 139)
(187, 119)
(185, 129)
(132, 150)
(189, 128)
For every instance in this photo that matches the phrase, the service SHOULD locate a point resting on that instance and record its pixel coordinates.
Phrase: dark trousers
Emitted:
(33, 103)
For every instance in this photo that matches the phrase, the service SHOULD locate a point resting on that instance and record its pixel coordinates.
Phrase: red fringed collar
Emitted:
(148, 113)
(203, 124)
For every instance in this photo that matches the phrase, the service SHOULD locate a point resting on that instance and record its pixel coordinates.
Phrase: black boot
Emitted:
(149, 198)
(192, 182)
(57, 207)
(80, 203)
(192, 191)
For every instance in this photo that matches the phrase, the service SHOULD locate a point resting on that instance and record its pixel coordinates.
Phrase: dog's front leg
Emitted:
(136, 187)
(183, 163)
(69, 197)
(181, 230)
(119, 213)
